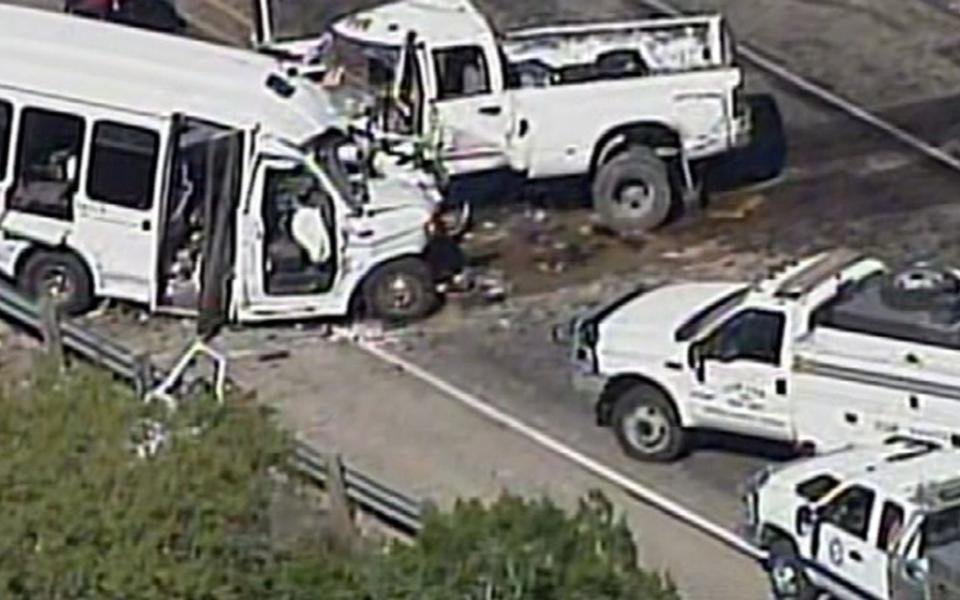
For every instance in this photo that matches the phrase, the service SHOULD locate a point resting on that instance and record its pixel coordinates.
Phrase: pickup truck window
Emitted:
(6, 120)
(709, 315)
(817, 487)
(461, 72)
(755, 335)
(851, 510)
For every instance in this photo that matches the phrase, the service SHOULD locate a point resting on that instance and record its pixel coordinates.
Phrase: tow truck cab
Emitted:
(874, 521)
(827, 350)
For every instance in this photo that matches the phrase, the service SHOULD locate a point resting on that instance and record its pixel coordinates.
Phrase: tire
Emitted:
(788, 579)
(647, 426)
(631, 191)
(931, 287)
(63, 276)
(400, 291)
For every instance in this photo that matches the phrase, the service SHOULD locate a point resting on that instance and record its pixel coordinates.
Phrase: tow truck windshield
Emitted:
(709, 315)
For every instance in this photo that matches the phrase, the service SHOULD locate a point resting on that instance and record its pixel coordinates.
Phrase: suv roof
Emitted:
(902, 468)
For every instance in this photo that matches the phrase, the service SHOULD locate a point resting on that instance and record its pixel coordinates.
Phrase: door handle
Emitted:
(491, 110)
(145, 225)
(855, 556)
(780, 386)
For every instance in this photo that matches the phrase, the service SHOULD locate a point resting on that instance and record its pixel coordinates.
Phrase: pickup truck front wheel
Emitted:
(647, 426)
(631, 191)
(788, 579)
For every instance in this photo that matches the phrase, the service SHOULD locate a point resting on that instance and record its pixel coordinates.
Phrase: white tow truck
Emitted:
(874, 522)
(180, 174)
(831, 349)
(635, 106)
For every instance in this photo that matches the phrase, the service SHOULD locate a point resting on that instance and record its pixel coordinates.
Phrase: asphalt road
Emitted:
(844, 184)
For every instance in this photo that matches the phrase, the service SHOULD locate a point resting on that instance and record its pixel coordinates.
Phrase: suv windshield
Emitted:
(941, 528)
(702, 319)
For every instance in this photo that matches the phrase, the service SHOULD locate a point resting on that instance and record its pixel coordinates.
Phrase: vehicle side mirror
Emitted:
(807, 517)
(695, 359)
(915, 569)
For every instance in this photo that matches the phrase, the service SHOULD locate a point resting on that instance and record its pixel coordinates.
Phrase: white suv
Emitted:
(879, 521)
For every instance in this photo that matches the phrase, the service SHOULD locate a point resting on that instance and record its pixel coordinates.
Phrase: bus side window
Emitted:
(6, 126)
(49, 153)
(123, 165)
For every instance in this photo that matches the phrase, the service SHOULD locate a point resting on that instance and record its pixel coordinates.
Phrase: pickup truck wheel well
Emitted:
(616, 387)
(651, 135)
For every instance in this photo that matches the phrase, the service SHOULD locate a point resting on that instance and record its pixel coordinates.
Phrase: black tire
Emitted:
(788, 578)
(401, 290)
(939, 287)
(647, 426)
(631, 191)
(63, 276)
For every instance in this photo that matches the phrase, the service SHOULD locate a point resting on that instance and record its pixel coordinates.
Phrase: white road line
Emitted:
(638, 490)
(831, 98)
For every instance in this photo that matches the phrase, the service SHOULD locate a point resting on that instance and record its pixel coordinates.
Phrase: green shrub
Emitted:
(84, 516)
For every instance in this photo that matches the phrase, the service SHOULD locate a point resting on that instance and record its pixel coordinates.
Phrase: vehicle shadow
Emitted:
(716, 441)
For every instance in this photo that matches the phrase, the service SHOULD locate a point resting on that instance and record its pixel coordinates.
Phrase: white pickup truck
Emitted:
(832, 349)
(634, 106)
(877, 522)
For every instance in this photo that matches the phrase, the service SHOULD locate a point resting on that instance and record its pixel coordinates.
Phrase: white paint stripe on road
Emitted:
(634, 488)
(857, 112)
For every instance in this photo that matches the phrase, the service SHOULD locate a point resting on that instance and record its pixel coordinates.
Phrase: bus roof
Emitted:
(148, 72)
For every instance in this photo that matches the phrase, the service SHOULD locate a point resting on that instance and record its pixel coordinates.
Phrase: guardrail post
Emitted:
(343, 529)
(52, 339)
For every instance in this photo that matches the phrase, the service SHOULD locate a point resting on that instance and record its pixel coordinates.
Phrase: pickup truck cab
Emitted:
(633, 106)
(870, 522)
(831, 349)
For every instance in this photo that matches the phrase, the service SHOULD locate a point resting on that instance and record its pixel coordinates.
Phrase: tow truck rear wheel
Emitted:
(788, 581)
(647, 425)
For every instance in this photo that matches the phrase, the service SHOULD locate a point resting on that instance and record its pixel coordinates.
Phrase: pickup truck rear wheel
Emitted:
(632, 192)
(647, 425)
(788, 580)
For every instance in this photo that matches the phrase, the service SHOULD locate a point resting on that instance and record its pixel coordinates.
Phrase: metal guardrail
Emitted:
(393, 508)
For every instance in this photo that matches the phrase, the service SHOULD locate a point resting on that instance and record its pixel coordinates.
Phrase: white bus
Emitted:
(170, 172)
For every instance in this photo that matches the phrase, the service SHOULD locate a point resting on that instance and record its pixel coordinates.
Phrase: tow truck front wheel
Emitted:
(647, 425)
(400, 291)
(788, 580)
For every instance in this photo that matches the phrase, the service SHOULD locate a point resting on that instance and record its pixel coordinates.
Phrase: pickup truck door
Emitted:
(471, 107)
(850, 542)
(741, 383)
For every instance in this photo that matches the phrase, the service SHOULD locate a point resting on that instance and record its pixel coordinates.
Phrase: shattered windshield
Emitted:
(293, 20)
(357, 65)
